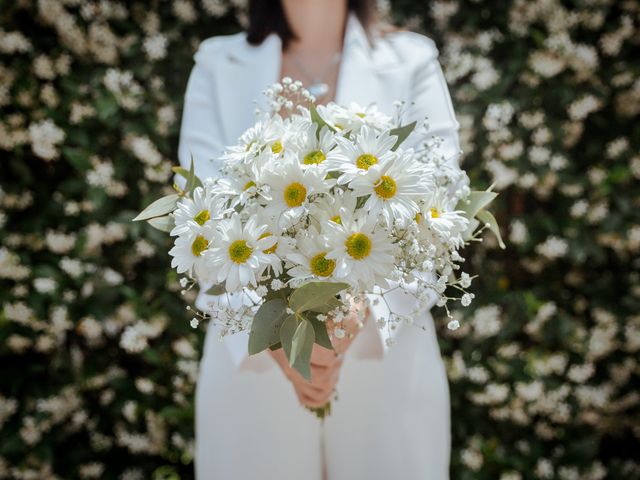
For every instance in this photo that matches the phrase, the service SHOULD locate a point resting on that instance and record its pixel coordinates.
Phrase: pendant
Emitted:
(318, 89)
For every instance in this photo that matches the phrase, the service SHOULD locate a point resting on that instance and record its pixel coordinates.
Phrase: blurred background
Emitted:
(97, 358)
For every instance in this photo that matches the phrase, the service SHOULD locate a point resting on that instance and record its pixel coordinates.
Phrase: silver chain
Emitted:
(319, 79)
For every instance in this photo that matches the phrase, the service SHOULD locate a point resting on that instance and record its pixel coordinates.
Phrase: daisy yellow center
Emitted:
(435, 213)
(358, 246)
(386, 187)
(314, 158)
(248, 185)
(199, 245)
(339, 127)
(365, 161)
(336, 219)
(322, 266)
(202, 217)
(270, 249)
(276, 147)
(418, 217)
(361, 115)
(295, 194)
(239, 251)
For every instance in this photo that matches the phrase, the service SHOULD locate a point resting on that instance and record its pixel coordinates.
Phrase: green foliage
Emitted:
(402, 133)
(315, 296)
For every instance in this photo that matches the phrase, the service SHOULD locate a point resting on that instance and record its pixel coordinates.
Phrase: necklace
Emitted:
(318, 87)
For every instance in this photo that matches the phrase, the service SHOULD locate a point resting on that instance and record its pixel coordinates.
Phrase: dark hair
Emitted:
(268, 16)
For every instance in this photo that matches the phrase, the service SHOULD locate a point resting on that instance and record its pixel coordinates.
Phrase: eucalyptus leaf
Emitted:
(192, 182)
(402, 133)
(331, 304)
(322, 336)
(476, 202)
(487, 217)
(314, 295)
(164, 224)
(301, 337)
(473, 224)
(287, 330)
(265, 327)
(159, 208)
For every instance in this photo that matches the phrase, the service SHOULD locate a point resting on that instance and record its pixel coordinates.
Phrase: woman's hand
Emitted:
(325, 363)
(325, 371)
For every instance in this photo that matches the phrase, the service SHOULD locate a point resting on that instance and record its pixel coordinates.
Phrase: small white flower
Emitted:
(466, 299)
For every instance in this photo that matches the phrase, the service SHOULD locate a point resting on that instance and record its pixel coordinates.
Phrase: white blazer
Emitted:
(392, 416)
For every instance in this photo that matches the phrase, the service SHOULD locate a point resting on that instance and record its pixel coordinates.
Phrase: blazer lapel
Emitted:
(370, 73)
(241, 75)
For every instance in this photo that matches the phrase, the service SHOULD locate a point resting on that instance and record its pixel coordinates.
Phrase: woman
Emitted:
(391, 419)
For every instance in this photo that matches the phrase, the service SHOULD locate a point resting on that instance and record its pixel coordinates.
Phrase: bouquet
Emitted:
(317, 208)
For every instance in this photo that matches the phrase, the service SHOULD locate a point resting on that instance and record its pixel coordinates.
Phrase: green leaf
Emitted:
(402, 133)
(265, 328)
(476, 202)
(192, 180)
(287, 330)
(159, 208)
(319, 121)
(164, 224)
(301, 347)
(487, 218)
(322, 336)
(314, 295)
(217, 289)
(330, 305)
(77, 157)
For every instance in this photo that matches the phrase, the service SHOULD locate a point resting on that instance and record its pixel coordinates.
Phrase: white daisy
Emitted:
(314, 151)
(290, 188)
(188, 251)
(310, 257)
(332, 207)
(354, 117)
(393, 189)
(357, 157)
(438, 214)
(192, 213)
(252, 141)
(238, 252)
(364, 254)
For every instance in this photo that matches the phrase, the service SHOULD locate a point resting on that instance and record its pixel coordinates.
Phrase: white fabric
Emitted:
(392, 416)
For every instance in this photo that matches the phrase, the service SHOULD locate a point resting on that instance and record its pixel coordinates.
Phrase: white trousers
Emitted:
(391, 419)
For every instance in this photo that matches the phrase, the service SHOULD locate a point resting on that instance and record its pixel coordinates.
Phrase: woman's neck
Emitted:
(317, 24)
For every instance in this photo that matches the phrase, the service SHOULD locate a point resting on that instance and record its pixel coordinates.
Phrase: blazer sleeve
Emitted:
(429, 98)
(201, 138)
